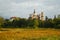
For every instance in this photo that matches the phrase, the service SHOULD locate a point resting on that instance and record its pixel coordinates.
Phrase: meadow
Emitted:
(29, 34)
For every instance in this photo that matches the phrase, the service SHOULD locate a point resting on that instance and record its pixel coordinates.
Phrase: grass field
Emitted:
(29, 34)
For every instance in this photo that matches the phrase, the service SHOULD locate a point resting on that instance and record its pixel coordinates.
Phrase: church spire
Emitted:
(34, 11)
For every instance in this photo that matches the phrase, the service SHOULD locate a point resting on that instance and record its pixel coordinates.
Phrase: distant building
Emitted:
(37, 16)
(59, 16)
(14, 18)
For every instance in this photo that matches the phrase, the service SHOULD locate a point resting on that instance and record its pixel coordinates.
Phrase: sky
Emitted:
(22, 8)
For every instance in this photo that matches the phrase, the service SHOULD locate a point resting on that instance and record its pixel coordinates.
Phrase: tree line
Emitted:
(29, 23)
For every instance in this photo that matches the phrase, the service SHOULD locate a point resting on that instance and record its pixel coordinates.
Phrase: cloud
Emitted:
(23, 8)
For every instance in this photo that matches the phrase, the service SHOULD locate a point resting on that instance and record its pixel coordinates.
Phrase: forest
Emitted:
(18, 22)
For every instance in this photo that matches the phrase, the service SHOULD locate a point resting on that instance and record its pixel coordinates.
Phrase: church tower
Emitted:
(34, 15)
(37, 16)
(42, 16)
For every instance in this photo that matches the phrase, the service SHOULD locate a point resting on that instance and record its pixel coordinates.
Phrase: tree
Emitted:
(35, 23)
(1, 21)
(30, 23)
(49, 23)
(7, 24)
(41, 24)
(57, 23)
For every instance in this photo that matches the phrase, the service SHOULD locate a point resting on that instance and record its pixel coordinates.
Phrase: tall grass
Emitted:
(29, 34)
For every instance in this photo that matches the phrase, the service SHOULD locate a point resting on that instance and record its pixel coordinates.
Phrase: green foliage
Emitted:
(30, 23)
(35, 23)
(1, 21)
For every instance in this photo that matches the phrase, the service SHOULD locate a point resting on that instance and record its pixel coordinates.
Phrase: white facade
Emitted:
(34, 15)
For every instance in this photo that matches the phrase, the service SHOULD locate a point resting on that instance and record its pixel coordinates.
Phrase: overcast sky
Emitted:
(22, 8)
